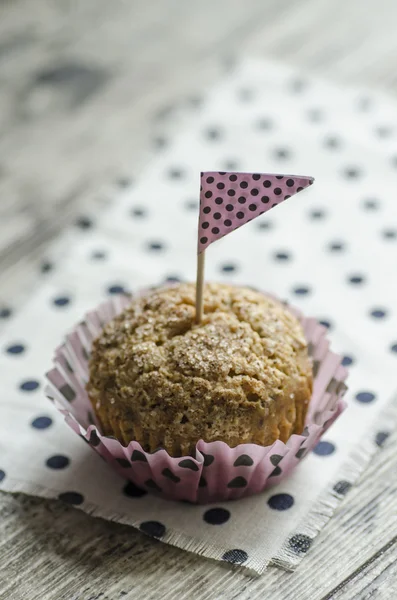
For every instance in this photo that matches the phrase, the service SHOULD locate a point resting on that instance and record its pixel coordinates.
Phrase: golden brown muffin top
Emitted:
(243, 332)
(248, 351)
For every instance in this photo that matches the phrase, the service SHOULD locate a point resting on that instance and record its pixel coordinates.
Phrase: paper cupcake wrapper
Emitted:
(217, 472)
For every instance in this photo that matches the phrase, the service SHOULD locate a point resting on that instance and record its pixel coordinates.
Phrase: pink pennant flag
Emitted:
(228, 200)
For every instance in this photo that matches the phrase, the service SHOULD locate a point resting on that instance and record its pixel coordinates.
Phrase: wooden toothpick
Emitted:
(200, 287)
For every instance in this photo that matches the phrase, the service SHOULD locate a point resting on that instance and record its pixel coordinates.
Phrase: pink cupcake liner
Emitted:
(217, 472)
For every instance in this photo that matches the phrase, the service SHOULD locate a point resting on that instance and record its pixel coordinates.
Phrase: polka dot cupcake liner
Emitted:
(216, 472)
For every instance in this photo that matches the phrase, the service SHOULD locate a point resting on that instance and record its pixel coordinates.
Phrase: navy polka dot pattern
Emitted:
(264, 124)
(264, 225)
(41, 422)
(132, 491)
(213, 133)
(84, 223)
(46, 266)
(365, 397)
(152, 528)
(58, 461)
(138, 212)
(281, 502)
(383, 131)
(98, 255)
(300, 543)
(336, 246)
(332, 143)
(282, 153)
(159, 142)
(5, 313)
(297, 86)
(73, 498)
(282, 256)
(352, 173)
(61, 301)
(342, 487)
(378, 313)
(192, 205)
(116, 289)
(156, 246)
(2, 475)
(381, 437)
(175, 173)
(370, 204)
(356, 279)
(317, 214)
(124, 182)
(228, 268)
(315, 115)
(231, 165)
(216, 516)
(347, 361)
(324, 448)
(29, 385)
(301, 290)
(236, 556)
(15, 349)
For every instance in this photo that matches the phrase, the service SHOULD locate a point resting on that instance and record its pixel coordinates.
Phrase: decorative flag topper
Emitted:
(229, 200)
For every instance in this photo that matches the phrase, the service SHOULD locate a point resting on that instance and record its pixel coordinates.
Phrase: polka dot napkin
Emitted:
(330, 251)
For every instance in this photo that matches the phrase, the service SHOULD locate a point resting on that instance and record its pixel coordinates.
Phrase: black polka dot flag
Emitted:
(229, 200)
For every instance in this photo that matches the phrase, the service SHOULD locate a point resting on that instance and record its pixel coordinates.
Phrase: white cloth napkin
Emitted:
(331, 251)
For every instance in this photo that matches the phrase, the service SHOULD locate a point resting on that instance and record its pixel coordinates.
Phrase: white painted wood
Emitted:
(60, 143)
(376, 580)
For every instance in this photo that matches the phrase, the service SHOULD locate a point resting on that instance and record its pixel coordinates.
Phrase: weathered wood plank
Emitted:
(377, 580)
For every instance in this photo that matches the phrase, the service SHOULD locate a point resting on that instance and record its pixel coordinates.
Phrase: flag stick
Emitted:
(200, 287)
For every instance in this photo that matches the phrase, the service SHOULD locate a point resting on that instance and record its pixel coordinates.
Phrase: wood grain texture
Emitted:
(86, 90)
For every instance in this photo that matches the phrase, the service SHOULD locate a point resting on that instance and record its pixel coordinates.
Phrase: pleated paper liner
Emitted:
(216, 472)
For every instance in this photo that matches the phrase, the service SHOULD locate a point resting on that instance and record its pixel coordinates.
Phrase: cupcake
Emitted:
(202, 405)
(241, 376)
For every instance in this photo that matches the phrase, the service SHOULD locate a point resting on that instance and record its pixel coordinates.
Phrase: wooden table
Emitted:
(86, 89)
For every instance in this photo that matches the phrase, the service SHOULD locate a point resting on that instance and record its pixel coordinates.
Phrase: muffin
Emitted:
(243, 375)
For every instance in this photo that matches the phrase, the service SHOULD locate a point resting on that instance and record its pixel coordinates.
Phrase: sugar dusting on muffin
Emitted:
(242, 376)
